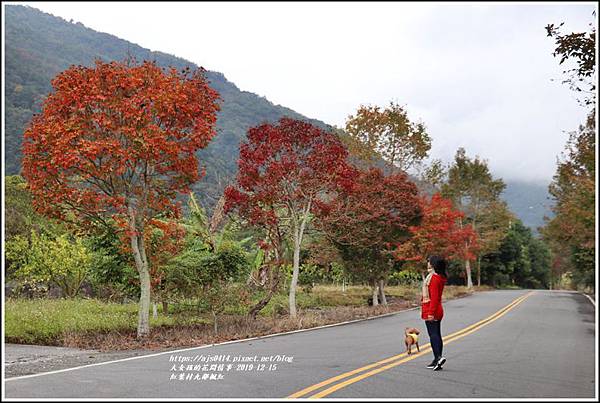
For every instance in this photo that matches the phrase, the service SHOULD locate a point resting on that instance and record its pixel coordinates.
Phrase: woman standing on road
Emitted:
(431, 307)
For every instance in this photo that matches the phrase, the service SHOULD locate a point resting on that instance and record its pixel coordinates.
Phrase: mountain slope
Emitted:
(39, 45)
(529, 201)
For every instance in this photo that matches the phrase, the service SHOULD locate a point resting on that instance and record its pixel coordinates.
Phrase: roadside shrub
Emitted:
(112, 277)
(209, 278)
(405, 277)
(61, 261)
(309, 275)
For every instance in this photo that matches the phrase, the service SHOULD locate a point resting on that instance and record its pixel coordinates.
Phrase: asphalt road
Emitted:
(499, 344)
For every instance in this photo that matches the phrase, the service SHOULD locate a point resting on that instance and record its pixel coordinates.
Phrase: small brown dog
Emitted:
(411, 337)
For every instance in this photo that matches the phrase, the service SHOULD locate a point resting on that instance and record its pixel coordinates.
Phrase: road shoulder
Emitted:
(23, 359)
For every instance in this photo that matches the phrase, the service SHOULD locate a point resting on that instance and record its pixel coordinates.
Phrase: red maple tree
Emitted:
(366, 220)
(119, 141)
(439, 233)
(283, 170)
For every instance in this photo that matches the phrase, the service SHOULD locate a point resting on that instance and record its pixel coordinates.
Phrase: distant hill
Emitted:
(39, 45)
(529, 201)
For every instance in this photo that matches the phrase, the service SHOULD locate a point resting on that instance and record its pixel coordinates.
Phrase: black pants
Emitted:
(435, 337)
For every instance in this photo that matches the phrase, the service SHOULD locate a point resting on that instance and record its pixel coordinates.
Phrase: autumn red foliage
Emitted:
(284, 169)
(439, 233)
(285, 165)
(119, 141)
(112, 135)
(366, 220)
(375, 211)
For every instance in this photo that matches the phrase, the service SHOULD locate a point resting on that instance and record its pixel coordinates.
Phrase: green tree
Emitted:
(541, 260)
(572, 230)
(20, 217)
(493, 226)
(431, 177)
(573, 188)
(111, 274)
(60, 261)
(521, 260)
(474, 191)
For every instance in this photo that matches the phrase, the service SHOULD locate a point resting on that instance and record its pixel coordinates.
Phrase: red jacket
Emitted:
(434, 306)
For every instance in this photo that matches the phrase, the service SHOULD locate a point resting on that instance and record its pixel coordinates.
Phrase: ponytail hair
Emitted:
(439, 264)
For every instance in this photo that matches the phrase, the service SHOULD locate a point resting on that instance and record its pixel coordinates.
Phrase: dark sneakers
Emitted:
(433, 364)
(439, 364)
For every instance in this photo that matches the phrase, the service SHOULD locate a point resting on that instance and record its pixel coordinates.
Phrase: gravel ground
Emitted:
(22, 359)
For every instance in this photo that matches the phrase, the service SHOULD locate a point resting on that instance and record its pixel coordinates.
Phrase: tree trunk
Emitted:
(296, 270)
(375, 289)
(144, 312)
(141, 263)
(154, 310)
(66, 289)
(468, 271)
(467, 262)
(382, 292)
(272, 278)
(478, 271)
(165, 306)
(298, 233)
(260, 305)
(143, 329)
(215, 322)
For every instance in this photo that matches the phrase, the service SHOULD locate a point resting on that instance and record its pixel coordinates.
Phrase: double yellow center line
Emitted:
(398, 359)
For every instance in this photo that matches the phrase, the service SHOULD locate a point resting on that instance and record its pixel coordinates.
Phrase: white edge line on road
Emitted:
(205, 346)
(591, 300)
(576, 292)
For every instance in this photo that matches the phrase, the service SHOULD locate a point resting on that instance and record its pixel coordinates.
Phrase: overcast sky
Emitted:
(478, 75)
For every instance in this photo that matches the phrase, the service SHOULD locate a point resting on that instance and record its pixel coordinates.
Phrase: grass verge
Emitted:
(88, 323)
